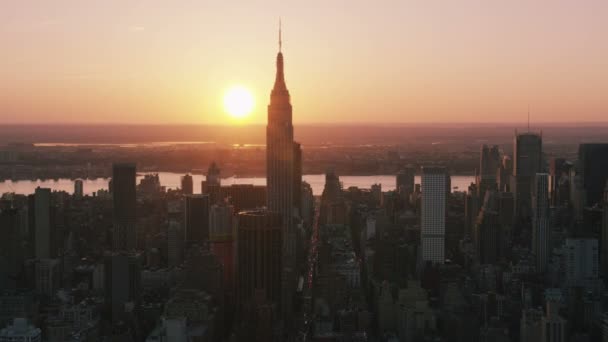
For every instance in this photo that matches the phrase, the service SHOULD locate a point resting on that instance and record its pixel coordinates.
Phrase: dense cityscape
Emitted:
(480, 233)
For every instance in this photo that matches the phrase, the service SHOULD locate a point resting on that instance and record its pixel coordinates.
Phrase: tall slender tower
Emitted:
(280, 173)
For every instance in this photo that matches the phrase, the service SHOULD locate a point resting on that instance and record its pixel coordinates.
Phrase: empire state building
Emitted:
(280, 175)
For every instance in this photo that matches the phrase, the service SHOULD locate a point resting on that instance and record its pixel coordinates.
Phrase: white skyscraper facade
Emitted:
(433, 212)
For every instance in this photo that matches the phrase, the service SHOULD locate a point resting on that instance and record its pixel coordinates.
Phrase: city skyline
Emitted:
(355, 229)
(149, 63)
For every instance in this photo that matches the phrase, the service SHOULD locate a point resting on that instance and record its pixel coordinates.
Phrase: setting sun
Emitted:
(238, 102)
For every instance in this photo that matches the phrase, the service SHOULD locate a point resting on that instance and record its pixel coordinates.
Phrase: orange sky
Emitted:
(154, 61)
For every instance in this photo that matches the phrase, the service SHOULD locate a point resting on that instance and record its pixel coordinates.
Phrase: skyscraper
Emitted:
(43, 234)
(559, 170)
(221, 241)
(433, 212)
(604, 235)
(333, 205)
(244, 196)
(213, 175)
(124, 206)
(552, 325)
(212, 183)
(593, 168)
(280, 172)
(472, 205)
(527, 162)
(48, 276)
(505, 218)
(581, 261)
(405, 182)
(504, 174)
(487, 230)
(221, 222)
(122, 275)
(11, 252)
(541, 232)
(196, 219)
(78, 188)
(259, 255)
(187, 185)
(489, 162)
(175, 243)
(297, 177)
(308, 203)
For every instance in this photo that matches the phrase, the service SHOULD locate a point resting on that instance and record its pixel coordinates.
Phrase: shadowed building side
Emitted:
(196, 219)
(593, 167)
(297, 178)
(541, 230)
(124, 206)
(259, 263)
(527, 162)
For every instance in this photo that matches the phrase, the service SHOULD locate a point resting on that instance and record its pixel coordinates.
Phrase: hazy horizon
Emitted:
(443, 124)
(307, 134)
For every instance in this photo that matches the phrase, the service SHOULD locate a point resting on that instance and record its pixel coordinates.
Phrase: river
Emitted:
(173, 180)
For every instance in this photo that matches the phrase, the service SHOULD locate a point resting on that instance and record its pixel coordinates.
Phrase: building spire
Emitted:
(279, 83)
(280, 38)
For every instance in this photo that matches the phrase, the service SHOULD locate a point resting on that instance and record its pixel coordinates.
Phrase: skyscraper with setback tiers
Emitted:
(280, 162)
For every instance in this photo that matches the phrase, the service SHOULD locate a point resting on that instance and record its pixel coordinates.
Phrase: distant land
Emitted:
(307, 134)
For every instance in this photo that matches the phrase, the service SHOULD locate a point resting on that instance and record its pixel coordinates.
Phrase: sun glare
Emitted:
(238, 102)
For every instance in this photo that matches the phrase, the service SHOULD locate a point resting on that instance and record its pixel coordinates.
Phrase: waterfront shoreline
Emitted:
(172, 180)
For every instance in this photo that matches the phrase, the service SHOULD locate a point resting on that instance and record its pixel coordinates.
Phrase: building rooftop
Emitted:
(20, 327)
